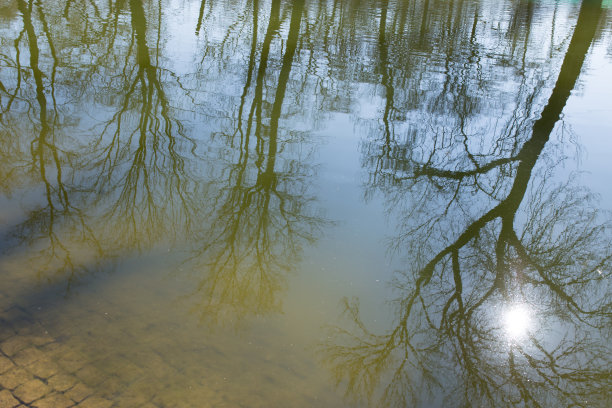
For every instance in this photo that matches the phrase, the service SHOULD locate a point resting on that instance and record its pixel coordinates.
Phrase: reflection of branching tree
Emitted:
(131, 179)
(48, 160)
(445, 125)
(261, 210)
(448, 335)
(138, 155)
(387, 144)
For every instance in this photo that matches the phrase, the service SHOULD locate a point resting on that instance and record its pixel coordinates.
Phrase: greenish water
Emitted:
(310, 204)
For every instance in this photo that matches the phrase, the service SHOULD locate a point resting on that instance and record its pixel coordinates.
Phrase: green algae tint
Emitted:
(305, 204)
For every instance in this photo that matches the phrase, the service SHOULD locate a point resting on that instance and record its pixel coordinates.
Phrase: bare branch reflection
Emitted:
(262, 212)
(512, 311)
(124, 133)
(130, 184)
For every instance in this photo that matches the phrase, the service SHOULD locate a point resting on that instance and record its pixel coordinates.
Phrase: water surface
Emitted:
(332, 203)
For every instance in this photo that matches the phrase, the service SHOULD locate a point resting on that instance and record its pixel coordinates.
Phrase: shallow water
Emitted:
(334, 203)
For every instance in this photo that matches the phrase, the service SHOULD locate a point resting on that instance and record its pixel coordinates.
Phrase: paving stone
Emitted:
(54, 400)
(137, 394)
(79, 392)
(31, 391)
(6, 331)
(62, 382)
(72, 361)
(7, 400)
(43, 368)
(95, 402)
(128, 371)
(28, 356)
(29, 327)
(130, 401)
(156, 366)
(142, 387)
(20, 321)
(5, 364)
(90, 375)
(40, 340)
(112, 385)
(11, 346)
(53, 349)
(14, 378)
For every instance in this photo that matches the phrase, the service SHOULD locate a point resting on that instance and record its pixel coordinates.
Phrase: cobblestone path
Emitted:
(38, 371)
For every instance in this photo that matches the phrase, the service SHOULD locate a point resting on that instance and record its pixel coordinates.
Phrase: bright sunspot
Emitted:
(517, 320)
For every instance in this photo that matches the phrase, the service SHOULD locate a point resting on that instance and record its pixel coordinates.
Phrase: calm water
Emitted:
(310, 204)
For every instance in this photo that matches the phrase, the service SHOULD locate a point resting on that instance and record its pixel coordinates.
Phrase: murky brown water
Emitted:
(305, 204)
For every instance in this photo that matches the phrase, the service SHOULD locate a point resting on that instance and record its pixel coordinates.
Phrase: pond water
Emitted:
(305, 204)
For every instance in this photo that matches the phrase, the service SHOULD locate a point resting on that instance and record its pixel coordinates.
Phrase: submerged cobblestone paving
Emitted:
(29, 379)
(126, 348)
(38, 371)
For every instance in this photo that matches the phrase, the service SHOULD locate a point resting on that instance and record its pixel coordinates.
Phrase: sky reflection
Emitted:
(395, 170)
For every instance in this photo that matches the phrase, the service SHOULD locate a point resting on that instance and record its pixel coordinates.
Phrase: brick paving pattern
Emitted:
(108, 351)
(28, 378)
(40, 372)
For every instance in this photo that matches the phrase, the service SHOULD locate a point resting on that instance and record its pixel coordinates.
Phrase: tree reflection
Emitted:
(136, 179)
(457, 340)
(148, 147)
(114, 135)
(129, 184)
(261, 212)
(48, 159)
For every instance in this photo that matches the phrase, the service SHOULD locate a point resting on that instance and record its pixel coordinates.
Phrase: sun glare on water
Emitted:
(517, 321)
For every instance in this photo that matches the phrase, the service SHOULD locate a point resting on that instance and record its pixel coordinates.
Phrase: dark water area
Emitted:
(305, 204)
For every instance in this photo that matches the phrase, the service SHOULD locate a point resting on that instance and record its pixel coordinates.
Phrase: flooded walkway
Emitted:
(273, 203)
(38, 371)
